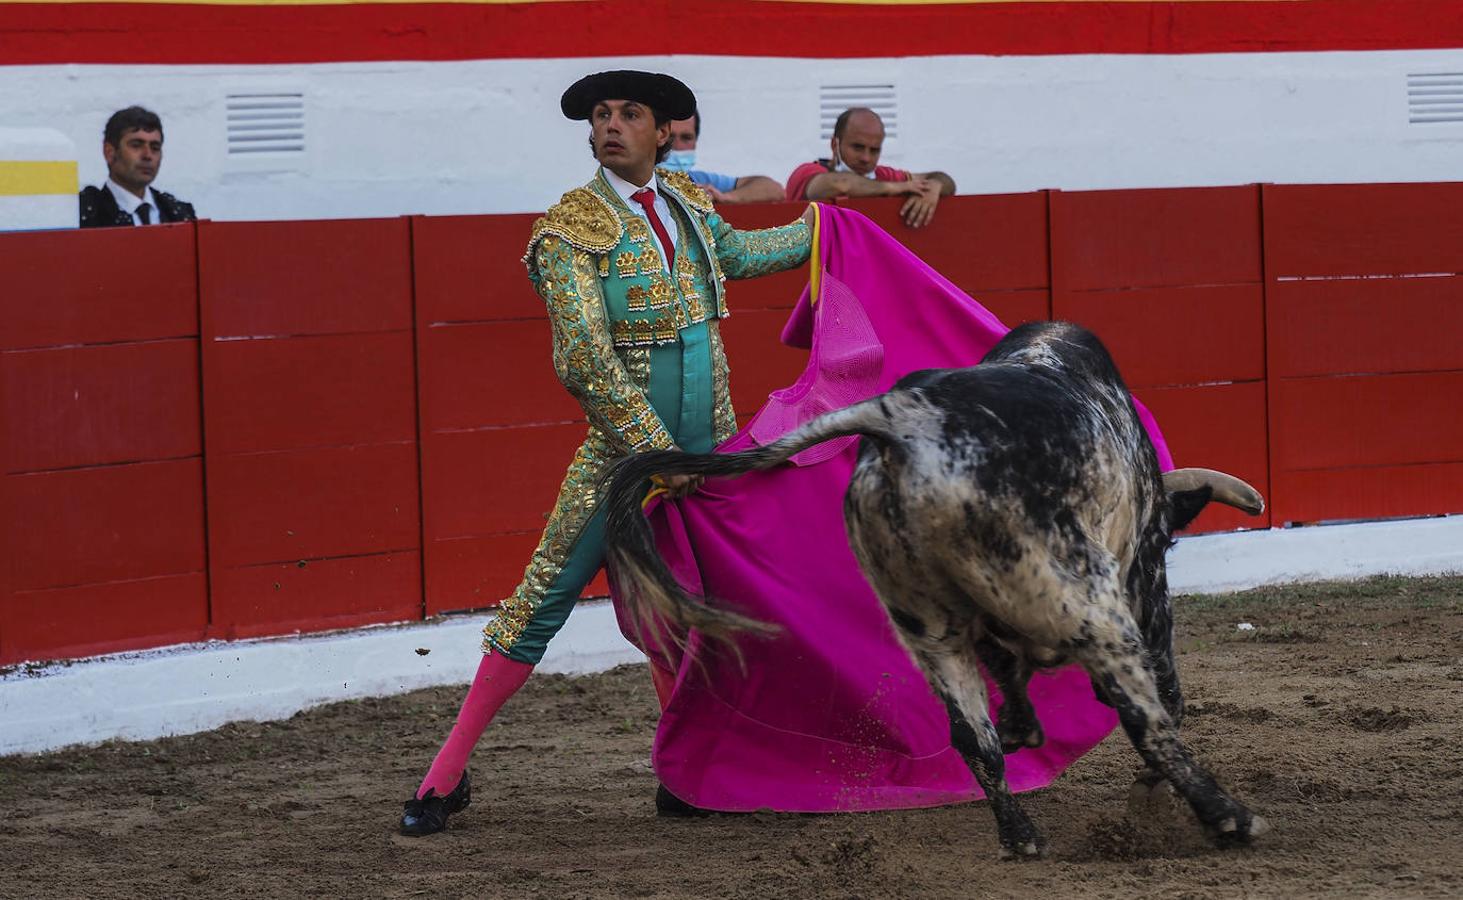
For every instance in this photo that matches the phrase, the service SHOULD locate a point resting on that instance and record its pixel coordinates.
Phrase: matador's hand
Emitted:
(679, 485)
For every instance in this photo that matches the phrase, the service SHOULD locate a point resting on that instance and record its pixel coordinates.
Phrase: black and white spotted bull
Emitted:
(1010, 514)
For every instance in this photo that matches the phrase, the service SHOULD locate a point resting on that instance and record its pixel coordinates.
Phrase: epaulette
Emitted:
(689, 190)
(581, 217)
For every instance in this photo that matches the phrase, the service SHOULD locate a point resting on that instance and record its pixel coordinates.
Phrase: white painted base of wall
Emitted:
(186, 689)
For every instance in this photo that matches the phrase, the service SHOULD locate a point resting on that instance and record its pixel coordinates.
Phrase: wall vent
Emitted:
(263, 122)
(833, 99)
(1435, 98)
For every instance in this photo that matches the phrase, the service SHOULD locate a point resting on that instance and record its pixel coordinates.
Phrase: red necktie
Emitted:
(646, 198)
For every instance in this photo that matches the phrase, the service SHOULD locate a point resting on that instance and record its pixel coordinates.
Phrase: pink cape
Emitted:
(830, 715)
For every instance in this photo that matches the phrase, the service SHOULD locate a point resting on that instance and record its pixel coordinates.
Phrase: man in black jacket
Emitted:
(133, 147)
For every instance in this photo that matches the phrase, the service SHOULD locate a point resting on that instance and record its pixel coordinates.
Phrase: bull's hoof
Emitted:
(1023, 850)
(1238, 830)
(1019, 734)
(1147, 798)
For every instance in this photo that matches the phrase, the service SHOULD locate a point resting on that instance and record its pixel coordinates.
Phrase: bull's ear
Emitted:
(1187, 505)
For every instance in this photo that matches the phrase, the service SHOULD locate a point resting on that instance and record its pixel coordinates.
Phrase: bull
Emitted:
(1012, 515)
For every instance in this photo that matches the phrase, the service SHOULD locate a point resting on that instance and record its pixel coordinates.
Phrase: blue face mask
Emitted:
(679, 160)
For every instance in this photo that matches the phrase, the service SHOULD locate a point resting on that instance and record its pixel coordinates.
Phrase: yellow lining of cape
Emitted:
(815, 270)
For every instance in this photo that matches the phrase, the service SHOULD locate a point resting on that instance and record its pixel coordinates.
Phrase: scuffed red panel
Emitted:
(470, 269)
(1217, 427)
(249, 601)
(1369, 326)
(1155, 238)
(82, 526)
(311, 391)
(1375, 492)
(1372, 420)
(991, 242)
(1176, 335)
(86, 406)
(760, 362)
(491, 373)
(780, 291)
(294, 278)
(479, 572)
(1016, 307)
(1363, 229)
(475, 572)
(494, 480)
(308, 504)
(146, 288)
(103, 618)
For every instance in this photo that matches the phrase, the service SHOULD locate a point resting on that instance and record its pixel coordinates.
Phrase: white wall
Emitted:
(486, 136)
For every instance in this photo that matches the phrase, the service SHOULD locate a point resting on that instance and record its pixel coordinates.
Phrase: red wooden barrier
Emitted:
(498, 430)
(101, 504)
(329, 347)
(1365, 309)
(1171, 281)
(310, 426)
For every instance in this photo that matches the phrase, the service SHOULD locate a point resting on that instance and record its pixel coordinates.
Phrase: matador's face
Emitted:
(625, 135)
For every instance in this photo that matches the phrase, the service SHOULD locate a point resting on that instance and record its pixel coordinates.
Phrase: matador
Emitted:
(632, 269)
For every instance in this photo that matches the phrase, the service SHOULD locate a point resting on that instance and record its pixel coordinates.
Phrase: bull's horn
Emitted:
(1227, 489)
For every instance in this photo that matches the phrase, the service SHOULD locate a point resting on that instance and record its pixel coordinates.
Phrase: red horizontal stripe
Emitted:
(42, 33)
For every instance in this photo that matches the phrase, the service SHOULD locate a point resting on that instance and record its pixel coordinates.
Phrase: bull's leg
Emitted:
(1120, 675)
(1016, 720)
(956, 677)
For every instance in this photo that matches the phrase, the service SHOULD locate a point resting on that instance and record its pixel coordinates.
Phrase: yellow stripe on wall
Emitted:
(24, 178)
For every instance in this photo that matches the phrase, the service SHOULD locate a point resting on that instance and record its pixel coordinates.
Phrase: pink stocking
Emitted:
(497, 679)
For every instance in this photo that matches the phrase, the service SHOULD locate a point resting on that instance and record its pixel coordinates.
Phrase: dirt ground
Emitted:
(1336, 717)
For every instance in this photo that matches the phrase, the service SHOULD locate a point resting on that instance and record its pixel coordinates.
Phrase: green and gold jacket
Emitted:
(611, 303)
(639, 349)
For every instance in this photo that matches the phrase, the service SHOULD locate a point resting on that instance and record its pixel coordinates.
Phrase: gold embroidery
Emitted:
(690, 191)
(635, 297)
(660, 294)
(604, 266)
(625, 264)
(696, 309)
(663, 329)
(724, 416)
(649, 261)
(581, 217)
(637, 361)
(636, 229)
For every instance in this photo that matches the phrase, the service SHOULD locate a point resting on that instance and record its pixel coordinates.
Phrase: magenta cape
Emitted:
(831, 715)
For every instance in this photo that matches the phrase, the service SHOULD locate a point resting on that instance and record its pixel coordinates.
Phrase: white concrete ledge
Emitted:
(191, 688)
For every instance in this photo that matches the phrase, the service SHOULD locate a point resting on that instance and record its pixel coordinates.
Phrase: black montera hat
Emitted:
(662, 93)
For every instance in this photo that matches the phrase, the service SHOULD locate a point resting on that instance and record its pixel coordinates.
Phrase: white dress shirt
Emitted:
(128, 202)
(662, 209)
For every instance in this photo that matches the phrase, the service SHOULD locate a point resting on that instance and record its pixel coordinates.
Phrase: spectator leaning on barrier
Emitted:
(132, 145)
(721, 188)
(854, 171)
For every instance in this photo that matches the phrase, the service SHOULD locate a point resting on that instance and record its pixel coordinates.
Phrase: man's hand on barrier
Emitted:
(919, 210)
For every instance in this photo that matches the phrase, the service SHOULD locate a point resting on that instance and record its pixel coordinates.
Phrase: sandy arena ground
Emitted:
(1337, 718)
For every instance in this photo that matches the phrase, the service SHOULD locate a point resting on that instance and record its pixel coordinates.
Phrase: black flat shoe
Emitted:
(428, 814)
(668, 805)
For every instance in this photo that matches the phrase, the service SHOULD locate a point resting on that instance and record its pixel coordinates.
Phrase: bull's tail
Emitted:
(641, 576)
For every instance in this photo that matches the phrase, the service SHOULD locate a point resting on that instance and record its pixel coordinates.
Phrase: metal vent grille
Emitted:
(1435, 98)
(833, 99)
(266, 123)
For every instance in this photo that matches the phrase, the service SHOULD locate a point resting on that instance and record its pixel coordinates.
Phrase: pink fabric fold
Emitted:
(830, 715)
